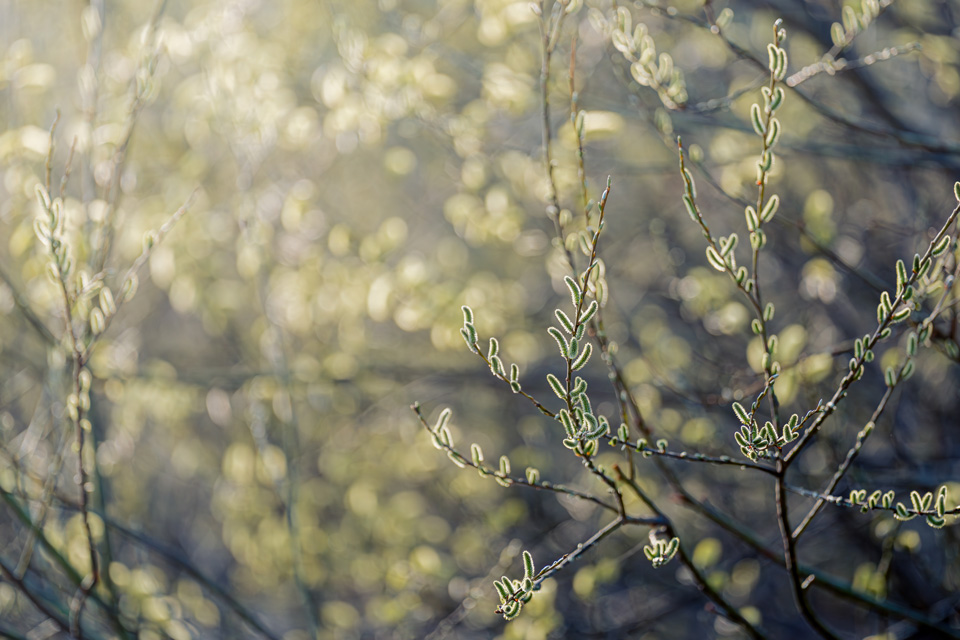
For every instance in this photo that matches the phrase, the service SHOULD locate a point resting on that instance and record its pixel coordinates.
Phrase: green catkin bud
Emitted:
(442, 420)
(514, 373)
(741, 275)
(777, 99)
(690, 184)
(504, 466)
(772, 57)
(585, 245)
(715, 260)
(445, 437)
(901, 513)
(753, 221)
(494, 349)
(575, 293)
(768, 312)
(564, 417)
(773, 136)
(561, 341)
(476, 454)
(916, 501)
(890, 377)
(583, 358)
(837, 34)
(849, 18)
(97, 322)
(588, 314)
(557, 387)
(528, 566)
(579, 386)
(781, 71)
(757, 120)
(901, 315)
(742, 414)
(885, 303)
(727, 245)
(912, 344)
(533, 475)
(565, 321)
(107, 303)
(901, 274)
(908, 370)
(502, 590)
(770, 209)
(941, 247)
(691, 208)
(671, 549)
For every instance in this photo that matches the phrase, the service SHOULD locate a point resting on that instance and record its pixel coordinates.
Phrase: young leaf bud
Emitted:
(564, 321)
(561, 341)
(494, 349)
(941, 247)
(691, 208)
(557, 387)
(575, 293)
(770, 209)
(583, 358)
(773, 136)
(528, 567)
(588, 314)
(715, 260)
(97, 321)
(757, 120)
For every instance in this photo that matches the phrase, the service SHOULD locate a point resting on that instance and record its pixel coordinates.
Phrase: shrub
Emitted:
(228, 452)
(634, 472)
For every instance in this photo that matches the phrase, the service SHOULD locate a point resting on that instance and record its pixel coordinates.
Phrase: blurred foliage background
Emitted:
(360, 170)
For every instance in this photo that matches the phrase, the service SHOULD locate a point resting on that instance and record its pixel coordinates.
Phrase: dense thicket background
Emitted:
(364, 168)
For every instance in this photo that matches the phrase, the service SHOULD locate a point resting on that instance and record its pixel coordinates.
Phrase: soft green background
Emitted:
(362, 169)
